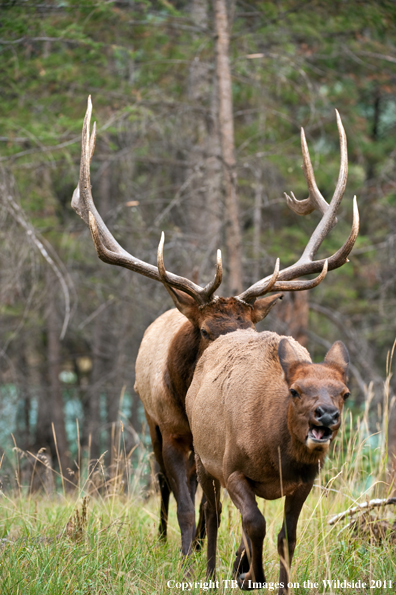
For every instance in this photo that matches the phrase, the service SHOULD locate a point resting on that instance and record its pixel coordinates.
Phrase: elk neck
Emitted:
(219, 317)
(183, 356)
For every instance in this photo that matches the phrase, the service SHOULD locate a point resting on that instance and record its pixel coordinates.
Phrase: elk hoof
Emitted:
(242, 584)
(247, 584)
(188, 572)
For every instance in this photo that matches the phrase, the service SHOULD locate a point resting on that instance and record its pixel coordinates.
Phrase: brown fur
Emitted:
(165, 365)
(260, 435)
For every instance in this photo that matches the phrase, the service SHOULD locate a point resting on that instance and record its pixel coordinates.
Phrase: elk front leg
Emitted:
(175, 453)
(253, 523)
(165, 493)
(288, 533)
(243, 556)
(212, 506)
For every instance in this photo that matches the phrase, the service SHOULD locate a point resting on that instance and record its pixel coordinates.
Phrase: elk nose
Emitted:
(327, 416)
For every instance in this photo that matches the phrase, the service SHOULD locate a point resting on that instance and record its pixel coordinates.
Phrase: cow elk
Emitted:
(174, 342)
(271, 415)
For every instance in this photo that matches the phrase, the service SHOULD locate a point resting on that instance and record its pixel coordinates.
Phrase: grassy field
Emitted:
(108, 544)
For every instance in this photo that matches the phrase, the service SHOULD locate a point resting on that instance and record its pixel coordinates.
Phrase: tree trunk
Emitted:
(233, 232)
(55, 400)
(293, 312)
(214, 179)
(23, 419)
(198, 93)
(257, 219)
(43, 435)
(206, 186)
(116, 381)
(92, 422)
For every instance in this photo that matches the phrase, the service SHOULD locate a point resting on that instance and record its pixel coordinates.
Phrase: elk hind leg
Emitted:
(165, 494)
(199, 531)
(201, 527)
(212, 506)
(156, 441)
(175, 453)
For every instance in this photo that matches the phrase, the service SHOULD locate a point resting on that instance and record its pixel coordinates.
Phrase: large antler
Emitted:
(306, 264)
(107, 248)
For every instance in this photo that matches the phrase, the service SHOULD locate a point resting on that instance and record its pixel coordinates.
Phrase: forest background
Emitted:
(70, 325)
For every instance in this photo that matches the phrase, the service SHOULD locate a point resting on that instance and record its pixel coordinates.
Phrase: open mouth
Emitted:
(319, 434)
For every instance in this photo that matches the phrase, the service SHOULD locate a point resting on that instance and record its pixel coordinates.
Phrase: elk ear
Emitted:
(263, 306)
(184, 303)
(338, 356)
(289, 357)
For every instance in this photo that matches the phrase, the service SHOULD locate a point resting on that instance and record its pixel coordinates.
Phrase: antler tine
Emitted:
(275, 275)
(82, 201)
(249, 295)
(211, 287)
(315, 199)
(272, 284)
(306, 264)
(261, 287)
(301, 285)
(329, 217)
(341, 256)
(299, 269)
(92, 142)
(193, 290)
(107, 248)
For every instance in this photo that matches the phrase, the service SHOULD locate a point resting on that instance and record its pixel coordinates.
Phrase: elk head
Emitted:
(211, 314)
(317, 395)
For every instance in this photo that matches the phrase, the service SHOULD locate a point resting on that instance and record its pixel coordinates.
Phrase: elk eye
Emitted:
(346, 396)
(204, 333)
(294, 393)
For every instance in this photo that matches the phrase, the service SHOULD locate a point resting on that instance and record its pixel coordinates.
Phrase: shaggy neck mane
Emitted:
(183, 356)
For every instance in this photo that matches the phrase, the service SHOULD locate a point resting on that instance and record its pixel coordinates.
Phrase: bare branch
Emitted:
(365, 506)
(16, 212)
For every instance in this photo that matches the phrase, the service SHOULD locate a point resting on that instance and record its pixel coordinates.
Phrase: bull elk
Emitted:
(273, 415)
(174, 342)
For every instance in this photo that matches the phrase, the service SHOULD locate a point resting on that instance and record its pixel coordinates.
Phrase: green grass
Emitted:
(51, 546)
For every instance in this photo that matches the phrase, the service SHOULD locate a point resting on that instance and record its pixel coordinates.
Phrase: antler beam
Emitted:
(107, 248)
(110, 251)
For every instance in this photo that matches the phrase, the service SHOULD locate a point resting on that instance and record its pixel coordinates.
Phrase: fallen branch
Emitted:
(365, 506)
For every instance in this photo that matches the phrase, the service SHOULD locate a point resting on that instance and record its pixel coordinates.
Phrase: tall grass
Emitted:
(102, 538)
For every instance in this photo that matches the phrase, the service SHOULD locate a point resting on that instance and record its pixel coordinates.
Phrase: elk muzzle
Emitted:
(326, 421)
(327, 416)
